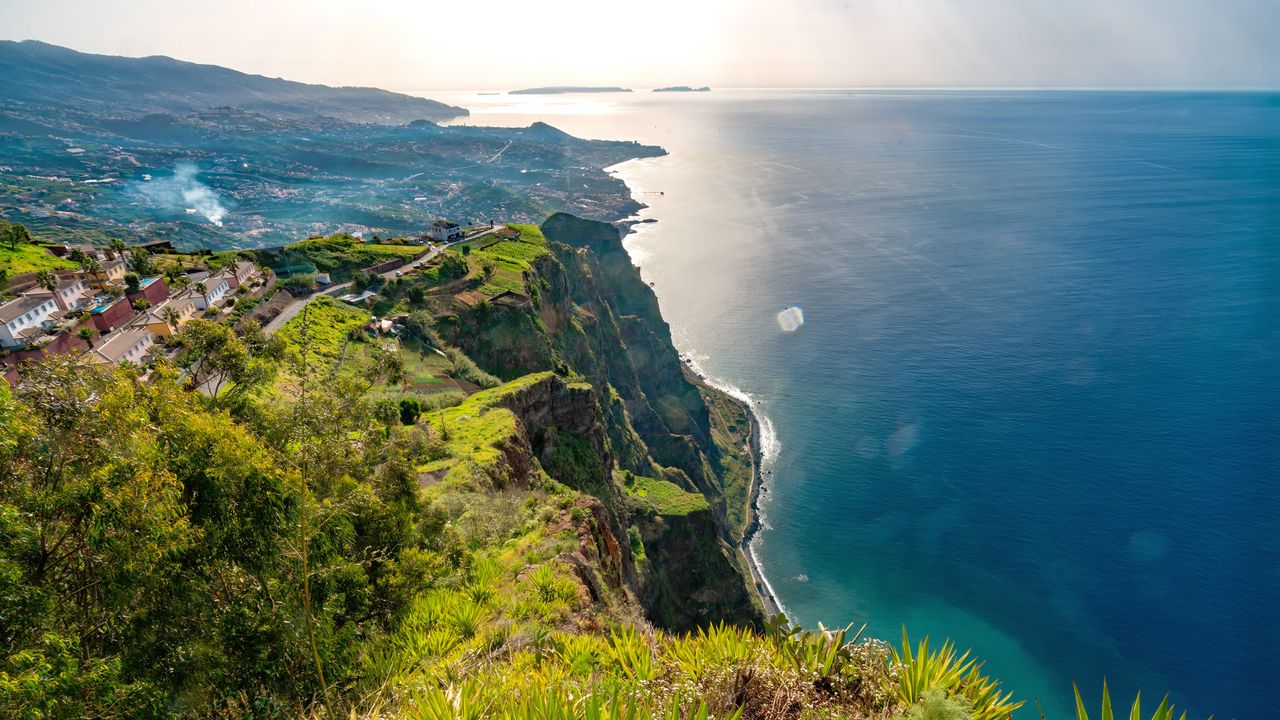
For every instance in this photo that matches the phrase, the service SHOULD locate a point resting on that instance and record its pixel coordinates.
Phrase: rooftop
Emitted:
(115, 348)
(17, 308)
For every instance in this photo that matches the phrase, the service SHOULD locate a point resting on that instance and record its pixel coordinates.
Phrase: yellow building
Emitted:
(163, 324)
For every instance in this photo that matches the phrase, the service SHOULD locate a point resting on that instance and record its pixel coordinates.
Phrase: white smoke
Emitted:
(183, 190)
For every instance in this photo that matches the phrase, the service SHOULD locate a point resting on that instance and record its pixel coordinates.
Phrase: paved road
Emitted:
(296, 306)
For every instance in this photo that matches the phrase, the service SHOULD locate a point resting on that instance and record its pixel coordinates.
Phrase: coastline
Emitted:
(772, 606)
(760, 583)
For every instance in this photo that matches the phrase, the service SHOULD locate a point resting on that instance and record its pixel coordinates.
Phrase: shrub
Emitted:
(410, 411)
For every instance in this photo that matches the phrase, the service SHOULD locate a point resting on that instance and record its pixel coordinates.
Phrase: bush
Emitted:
(454, 266)
(410, 411)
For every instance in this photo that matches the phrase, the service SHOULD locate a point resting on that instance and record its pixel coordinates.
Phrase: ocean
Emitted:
(1034, 404)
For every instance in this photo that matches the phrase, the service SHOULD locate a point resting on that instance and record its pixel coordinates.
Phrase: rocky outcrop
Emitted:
(630, 408)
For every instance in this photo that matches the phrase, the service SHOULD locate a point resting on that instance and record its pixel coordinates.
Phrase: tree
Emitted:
(93, 268)
(4, 279)
(118, 247)
(214, 356)
(453, 266)
(171, 316)
(141, 304)
(132, 283)
(47, 280)
(410, 411)
(91, 530)
(16, 235)
(141, 261)
(87, 334)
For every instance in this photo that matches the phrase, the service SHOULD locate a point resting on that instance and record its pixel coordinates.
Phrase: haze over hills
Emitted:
(37, 72)
(95, 147)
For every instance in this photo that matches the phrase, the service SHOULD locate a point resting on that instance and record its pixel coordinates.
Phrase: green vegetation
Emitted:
(330, 325)
(340, 255)
(923, 670)
(304, 527)
(25, 258)
(665, 497)
(1164, 711)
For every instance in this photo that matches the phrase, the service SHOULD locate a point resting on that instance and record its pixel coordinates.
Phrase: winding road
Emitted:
(296, 306)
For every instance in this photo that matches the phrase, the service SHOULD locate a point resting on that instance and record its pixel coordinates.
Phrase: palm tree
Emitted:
(46, 280)
(92, 267)
(117, 246)
(86, 334)
(171, 316)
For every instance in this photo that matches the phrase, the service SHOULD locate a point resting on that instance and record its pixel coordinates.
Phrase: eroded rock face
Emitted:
(547, 411)
(592, 317)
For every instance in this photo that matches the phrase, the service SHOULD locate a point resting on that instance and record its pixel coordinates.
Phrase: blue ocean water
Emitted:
(1035, 404)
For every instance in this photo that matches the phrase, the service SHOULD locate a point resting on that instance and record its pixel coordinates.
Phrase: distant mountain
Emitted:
(566, 89)
(41, 74)
(682, 88)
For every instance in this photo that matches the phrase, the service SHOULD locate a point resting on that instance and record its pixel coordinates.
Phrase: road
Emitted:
(296, 306)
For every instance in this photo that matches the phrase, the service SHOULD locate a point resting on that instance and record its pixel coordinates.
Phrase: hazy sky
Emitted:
(490, 44)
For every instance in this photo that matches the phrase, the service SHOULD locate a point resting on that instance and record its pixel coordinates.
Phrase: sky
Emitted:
(504, 44)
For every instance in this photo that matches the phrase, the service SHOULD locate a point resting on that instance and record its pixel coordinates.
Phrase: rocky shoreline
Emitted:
(771, 605)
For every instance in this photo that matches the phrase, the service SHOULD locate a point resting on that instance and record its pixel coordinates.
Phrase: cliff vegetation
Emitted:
(520, 505)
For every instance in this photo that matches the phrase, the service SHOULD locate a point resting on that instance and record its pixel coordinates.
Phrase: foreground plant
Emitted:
(1163, 712)
(921, 670)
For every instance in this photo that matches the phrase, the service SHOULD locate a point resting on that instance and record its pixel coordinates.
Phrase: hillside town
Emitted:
(129, 303)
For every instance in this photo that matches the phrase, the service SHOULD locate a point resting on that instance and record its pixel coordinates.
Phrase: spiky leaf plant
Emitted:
(920, 670)
(1163, 712)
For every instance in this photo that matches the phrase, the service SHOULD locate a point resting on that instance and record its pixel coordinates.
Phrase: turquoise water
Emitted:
(1034, 404)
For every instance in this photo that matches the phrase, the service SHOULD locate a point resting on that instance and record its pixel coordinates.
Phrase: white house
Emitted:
(124, 346)
(24, 318)
(215, 288)
(444, 231)
(70, 293)
(241, 272)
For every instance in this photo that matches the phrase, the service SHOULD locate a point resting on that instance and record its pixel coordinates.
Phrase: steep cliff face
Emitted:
(631, 412)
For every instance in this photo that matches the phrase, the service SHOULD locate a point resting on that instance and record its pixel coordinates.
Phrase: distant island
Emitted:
(682, 88)
(566, 89)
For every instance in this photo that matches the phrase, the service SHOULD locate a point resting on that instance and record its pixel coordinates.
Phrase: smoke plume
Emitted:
(183, 190)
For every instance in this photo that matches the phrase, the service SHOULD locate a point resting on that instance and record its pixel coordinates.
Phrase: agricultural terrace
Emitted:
(502, 261)
(341, 255)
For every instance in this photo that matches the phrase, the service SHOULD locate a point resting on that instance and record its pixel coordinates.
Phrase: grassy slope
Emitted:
(343, 254)
(665, 498)
(330, 322)
(29, 258)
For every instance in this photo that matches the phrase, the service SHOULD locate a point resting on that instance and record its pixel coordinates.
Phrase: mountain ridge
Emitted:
(31, 69)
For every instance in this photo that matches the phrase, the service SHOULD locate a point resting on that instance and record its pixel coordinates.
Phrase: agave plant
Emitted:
(580, 653)
(1163, 712)
(466, 618)
(631, 653)
(921, 670)
(821, 653)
